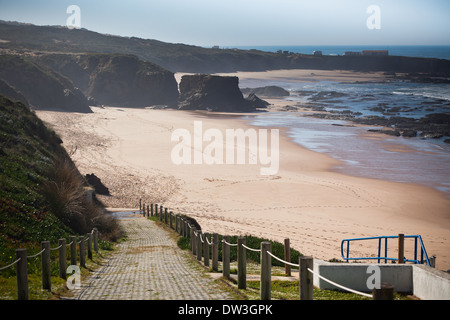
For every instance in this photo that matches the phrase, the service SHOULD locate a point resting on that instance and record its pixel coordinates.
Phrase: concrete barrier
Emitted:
(422, 281)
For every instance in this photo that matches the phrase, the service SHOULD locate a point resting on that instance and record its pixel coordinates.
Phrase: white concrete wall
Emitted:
(430, 284)
(424, 282)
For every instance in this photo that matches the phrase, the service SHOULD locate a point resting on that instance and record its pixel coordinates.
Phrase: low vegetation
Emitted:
(43, 196)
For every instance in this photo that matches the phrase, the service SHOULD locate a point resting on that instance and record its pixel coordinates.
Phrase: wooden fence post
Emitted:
(171, 219)
(401, 248)
(226, 257)
(266, 269)
(165, 215)
(177, 224)
(306, 278)
(148, 211)
(62, 259)
(385, 292)
(73, 250)
(206, 250)
(199, 245)
(89, 245)
(82, 253)
(156, 209)
(287, 256)
(151, 209)
(215, 252)
(161, 213)
(242, 263)
(193, 243)
(95, 239)
(22, 274)
(45, 262)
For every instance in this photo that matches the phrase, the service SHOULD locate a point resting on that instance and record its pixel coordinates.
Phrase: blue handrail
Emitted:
(417, 240)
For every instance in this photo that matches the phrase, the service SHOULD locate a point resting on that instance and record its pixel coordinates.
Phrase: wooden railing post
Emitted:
(215, 252)
(73, 250)
(306, 278)
(45, 262)
(62, 259)
(156, 209)
(266, 271)
(193, 243)
(95, 239)
(242, 263)
(226, 258)
(22, 274)
(385, 292)
(287, 256)
(199, 245)
(151, 209)
(401, 248)
(89, 245)
(171, 220)
(206, 250)
(82, 253)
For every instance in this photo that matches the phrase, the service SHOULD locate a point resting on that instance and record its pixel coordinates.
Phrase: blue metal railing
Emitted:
(417, 243)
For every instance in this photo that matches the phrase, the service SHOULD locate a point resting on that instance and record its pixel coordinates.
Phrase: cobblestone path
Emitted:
(149, 266)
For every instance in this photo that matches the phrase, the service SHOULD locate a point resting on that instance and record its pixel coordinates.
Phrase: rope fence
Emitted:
(22, 258)
(200, 247)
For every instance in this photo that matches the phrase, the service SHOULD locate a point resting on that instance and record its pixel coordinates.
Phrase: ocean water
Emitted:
(439, 52)
(399, 159)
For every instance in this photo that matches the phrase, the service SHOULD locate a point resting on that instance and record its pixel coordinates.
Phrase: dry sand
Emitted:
(306, 201)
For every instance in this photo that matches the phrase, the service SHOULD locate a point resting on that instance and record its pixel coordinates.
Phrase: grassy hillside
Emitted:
(42, 195)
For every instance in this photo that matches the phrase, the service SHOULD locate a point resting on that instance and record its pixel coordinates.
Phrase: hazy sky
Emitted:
(249, 22)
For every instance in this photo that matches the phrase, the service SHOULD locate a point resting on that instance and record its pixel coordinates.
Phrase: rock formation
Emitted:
(40, 86)
(116, 79)
(214, 93)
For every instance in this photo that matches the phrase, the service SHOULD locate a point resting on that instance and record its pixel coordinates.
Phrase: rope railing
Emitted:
(22, 258)
(200, 248)
(282, 261)
(338, 285)
(35, 255)
(10, 265)
(251, 249)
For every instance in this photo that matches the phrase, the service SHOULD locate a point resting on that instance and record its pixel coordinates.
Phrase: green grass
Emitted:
(8, 281)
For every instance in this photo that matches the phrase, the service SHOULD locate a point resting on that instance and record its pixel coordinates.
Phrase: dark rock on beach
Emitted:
(97, 184)
(267, 91)
(215, 93)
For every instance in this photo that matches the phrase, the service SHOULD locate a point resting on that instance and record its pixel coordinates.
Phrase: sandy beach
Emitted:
(306, 200)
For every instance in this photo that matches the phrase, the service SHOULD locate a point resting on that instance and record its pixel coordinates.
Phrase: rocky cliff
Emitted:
(40, 86)
(116, 79)
(214, 93)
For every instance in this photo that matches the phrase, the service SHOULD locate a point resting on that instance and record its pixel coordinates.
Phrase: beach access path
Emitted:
(148, 266)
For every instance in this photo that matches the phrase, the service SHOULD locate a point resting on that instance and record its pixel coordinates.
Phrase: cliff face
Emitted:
(213, 93)
(42, 87)
(117, 80)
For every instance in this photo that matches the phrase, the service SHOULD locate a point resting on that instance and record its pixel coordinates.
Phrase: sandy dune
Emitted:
(130, 150)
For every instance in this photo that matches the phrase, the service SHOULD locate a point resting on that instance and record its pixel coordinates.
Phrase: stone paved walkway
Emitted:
(149, 266)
